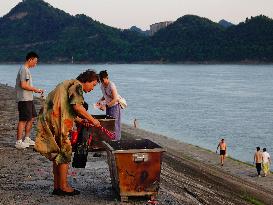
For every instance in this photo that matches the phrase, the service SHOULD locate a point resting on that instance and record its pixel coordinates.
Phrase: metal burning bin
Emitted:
(135, 167)
(107, 122)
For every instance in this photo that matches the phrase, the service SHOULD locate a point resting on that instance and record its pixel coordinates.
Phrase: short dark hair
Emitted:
(103, 74)
(264, 149)
(88, 76)
(258, 148)
(31, 55)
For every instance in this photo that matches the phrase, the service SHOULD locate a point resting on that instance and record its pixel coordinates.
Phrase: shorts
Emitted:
(26, 110)
(222, 152)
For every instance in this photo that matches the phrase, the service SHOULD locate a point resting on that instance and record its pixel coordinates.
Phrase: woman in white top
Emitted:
(111, 97)
(266, 162)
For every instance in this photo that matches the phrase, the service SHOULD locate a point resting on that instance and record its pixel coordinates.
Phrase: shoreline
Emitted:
(189, 174)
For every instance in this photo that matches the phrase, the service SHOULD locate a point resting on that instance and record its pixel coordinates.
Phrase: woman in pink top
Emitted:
(111, 97)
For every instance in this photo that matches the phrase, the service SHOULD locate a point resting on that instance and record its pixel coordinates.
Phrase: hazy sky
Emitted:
(142, 13)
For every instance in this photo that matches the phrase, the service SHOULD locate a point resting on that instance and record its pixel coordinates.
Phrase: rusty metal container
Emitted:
(135, 167)
(98, 136)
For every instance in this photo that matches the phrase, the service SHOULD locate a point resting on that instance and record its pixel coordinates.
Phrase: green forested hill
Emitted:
(57, 36)
(250, 40)
(190, 38)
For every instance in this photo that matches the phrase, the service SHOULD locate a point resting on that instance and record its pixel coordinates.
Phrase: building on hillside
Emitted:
(157, 26)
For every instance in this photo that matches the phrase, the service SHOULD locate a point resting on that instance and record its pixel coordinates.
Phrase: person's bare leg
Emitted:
(63, 170)
(20, 129)
(56, 176)
(222, 160)
(28, 127)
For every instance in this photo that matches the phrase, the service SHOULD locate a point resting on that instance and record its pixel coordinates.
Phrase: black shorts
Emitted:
(26, 110)
(222, 152)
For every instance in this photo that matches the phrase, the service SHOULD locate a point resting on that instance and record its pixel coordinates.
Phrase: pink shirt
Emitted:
(107, 92)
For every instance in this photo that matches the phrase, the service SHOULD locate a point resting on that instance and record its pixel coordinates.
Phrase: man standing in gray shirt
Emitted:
(24, 96)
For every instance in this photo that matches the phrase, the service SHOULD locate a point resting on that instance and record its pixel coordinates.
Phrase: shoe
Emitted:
(21, 145)
(65, 193)
(55, 192)
(29, 141)
(259, 175)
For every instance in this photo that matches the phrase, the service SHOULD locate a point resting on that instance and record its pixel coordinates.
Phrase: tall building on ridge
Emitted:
(157, 26)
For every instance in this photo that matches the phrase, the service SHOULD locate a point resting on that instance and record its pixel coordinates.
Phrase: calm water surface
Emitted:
(197, 104)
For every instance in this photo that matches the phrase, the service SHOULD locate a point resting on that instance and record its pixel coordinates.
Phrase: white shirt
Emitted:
(266, 157)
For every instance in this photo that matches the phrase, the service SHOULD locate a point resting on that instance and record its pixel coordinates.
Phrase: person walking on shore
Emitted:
(135, 123)
(111, 97)
(258, 158)
(24, 97)
(62, 107)
(223, 151)
(266, 162)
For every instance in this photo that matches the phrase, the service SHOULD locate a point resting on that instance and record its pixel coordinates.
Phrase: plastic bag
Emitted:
(122, 102)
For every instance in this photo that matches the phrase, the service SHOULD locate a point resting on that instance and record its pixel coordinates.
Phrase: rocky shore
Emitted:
(189, 175)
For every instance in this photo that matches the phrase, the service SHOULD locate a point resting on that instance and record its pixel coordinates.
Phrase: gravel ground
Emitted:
(186, 177)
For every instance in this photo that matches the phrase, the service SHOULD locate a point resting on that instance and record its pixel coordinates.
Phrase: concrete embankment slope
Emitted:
(189, 175)
(235, 178)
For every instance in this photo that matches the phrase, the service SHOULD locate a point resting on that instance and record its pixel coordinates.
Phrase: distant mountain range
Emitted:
(225, 23)
(57, 36)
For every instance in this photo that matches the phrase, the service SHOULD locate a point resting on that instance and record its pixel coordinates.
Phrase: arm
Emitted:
(218, 146)
(83, 122)
(83, 113)
(26, 86)
(98, 104)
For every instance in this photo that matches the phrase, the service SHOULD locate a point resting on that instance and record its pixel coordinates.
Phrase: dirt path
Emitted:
(26, 177)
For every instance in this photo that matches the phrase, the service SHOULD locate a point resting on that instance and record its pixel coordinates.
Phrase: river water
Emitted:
(197, 104)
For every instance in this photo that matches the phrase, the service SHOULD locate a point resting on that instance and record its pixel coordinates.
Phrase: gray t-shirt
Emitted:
(21, 94)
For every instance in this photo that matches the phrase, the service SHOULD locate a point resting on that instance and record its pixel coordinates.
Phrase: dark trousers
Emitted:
(259, 168)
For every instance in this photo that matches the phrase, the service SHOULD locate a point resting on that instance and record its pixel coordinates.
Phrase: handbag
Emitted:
(122, 102)
(85, 136)
(82, 147)
(74, 137)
